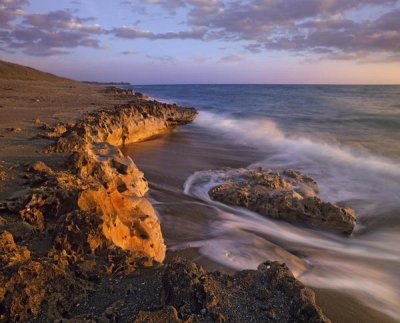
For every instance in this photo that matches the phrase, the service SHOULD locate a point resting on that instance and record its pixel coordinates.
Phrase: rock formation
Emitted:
(118, 91)
(90, 228)
(3, 174)
(10, 253)
(290, 196)
(95, 208)
(268, 294)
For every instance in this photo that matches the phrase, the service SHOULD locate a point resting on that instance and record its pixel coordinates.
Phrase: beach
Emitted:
(195, 228)
(80, 239)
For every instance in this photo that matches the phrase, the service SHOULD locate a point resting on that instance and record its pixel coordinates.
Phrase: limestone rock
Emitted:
(167, 314)
(39, 286)
(14, 130)
(125, 124)
(3, 174)
(118, 91)
(130, 223)
(40, 167)
(291, 197)
(268, 294)
(10, 253)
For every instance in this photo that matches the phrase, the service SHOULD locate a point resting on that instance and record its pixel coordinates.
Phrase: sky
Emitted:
(206, 41)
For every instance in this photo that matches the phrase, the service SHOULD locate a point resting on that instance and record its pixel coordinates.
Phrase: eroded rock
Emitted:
(130, 223)
(10, 253)
(268, 294)
(3, 173)
(291, 197)
(39, 286)
(125, 124)
(118, 91)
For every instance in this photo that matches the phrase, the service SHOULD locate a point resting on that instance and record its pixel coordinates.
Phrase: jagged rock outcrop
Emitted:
(118, 91)
(10, 253)
(94, 225)
(3, 174)
(125, 124)
(94, 211)
(290, 196)
(268, 294)
(39, 286)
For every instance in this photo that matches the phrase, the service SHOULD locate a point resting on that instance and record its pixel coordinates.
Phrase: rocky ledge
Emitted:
(290, 196)
(77, 240)
(89, 218)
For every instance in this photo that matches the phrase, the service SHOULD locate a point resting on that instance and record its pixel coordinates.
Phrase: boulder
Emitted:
(10, 253)
(291, 197)
(268, 294)
(118, 91)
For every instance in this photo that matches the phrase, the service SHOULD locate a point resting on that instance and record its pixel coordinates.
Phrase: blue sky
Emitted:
(206, 41)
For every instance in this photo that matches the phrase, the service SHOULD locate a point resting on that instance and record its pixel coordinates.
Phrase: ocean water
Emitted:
(346, 137)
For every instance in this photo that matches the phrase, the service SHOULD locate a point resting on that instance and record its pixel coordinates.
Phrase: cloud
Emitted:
(163, 59)
(9, 10)
(232, 58)
(362, 30)
(129, 52)
(200, 59)
(130, 32)
(299, 26)
(52, 33)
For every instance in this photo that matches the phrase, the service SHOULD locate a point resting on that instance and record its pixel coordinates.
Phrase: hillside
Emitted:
(13, 71)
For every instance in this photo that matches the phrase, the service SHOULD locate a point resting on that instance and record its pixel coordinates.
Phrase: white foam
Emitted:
(364, 267)
(343, 172)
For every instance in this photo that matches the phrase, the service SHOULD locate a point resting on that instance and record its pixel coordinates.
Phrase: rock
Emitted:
(14, 130)
(109, 187)
(3, 174)
(118, 91)
(55, 131)
(123, 125)
(55, 196)
(141, 96)
(93, 218)
(291, 197)
(40, 167)
(167, 314)
(268, 294)
(129, 223)
(10, 253)
(39, 286)
(37, 121)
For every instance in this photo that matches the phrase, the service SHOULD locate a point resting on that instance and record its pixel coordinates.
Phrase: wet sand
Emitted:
(168, 161)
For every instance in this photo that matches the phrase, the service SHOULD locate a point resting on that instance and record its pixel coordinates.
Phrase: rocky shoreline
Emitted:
(86, 229)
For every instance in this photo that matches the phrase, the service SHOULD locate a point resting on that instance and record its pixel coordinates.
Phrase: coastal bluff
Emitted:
(79, 239)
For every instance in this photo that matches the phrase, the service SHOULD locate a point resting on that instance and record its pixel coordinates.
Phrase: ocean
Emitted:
(346, 137)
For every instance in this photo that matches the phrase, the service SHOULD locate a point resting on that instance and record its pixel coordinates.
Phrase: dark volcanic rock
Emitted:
(10, 253)
(268, 294)
(39, 286)
(291, 196)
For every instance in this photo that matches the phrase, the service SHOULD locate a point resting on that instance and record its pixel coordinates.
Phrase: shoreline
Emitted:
(76, 211)
(203, 152)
